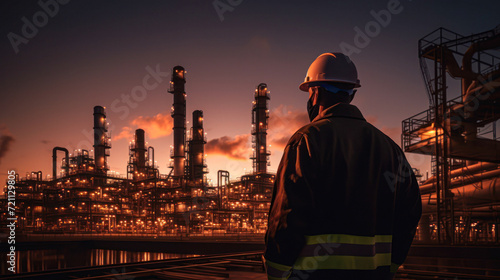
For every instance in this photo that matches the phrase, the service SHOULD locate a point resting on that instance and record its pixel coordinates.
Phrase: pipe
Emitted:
(429, 188)
(179, 116)
(489, 208)
(482, 89)
(493, 42)
(151, 156)
(454, 69)
(54, 161)
(471, 195)
(484, 166)
(468, 196)
(468, 76)
(474, 211)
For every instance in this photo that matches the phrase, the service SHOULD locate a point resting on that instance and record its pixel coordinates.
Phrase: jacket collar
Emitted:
(340, 110)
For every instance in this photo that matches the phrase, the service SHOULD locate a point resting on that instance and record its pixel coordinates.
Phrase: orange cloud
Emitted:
(155, 127)
(126, 133)
(284, 121)
(237, 148)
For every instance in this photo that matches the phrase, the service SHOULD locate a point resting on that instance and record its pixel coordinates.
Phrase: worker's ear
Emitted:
(318, 95)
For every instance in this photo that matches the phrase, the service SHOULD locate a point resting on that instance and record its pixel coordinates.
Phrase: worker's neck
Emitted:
(323, 107)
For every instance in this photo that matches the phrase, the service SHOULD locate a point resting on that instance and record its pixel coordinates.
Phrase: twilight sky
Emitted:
(60, 60)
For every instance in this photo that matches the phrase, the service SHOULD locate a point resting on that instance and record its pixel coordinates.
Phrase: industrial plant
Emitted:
(457, 236)
(461, 203)
(86, 197)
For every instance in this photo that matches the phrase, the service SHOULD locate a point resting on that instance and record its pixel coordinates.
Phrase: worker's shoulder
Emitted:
(319, 129)
(379, 134)
(308, 131)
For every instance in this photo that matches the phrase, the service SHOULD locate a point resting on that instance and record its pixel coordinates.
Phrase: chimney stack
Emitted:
(138, 155)
(179, 116)
(260, 116)
(102, 143)
(197, 166)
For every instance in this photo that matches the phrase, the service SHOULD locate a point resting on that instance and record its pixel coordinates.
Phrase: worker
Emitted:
(346, 202)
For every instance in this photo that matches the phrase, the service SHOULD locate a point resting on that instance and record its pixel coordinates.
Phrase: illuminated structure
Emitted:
(196, 163)
(460, 201)
(102, 142)
(84, 196)
(260, 116)
(141, 164)
(179, 116)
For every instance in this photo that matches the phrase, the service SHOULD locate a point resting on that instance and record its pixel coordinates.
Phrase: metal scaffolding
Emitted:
(457, 132)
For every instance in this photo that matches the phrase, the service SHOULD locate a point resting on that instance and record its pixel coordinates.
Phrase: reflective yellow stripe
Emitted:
(278, 266)
(342, 262)
(276, 269)
(347, 238)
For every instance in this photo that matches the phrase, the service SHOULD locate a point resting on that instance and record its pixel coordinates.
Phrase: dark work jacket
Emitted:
(341, 176)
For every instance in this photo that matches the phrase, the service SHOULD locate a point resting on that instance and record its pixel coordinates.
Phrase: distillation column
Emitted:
(179, 116)
(197, 166)
(102, 142)
(138, 150)
(260, 117)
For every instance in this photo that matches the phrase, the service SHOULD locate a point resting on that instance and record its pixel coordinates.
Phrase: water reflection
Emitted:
(71, 256)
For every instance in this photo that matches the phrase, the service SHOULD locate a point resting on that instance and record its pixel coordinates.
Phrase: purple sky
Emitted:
(91, 53)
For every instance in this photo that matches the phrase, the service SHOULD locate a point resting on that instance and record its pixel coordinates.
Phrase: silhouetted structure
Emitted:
(460, 201)
(86, 197)
(260, 117)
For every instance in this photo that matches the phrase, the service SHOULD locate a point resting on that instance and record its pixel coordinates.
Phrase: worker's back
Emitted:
(345, 199)
(352, 157)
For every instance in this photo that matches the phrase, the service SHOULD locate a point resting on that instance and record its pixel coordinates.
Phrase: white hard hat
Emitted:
(331, 67)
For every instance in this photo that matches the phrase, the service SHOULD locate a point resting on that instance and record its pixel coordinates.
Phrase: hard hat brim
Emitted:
(305, 85)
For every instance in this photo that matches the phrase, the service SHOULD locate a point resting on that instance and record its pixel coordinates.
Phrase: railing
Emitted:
(432, 44)
(418, 121)
(412, 125)
(107, 141)
(268, 94)
(263, 129)
(438, 37)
